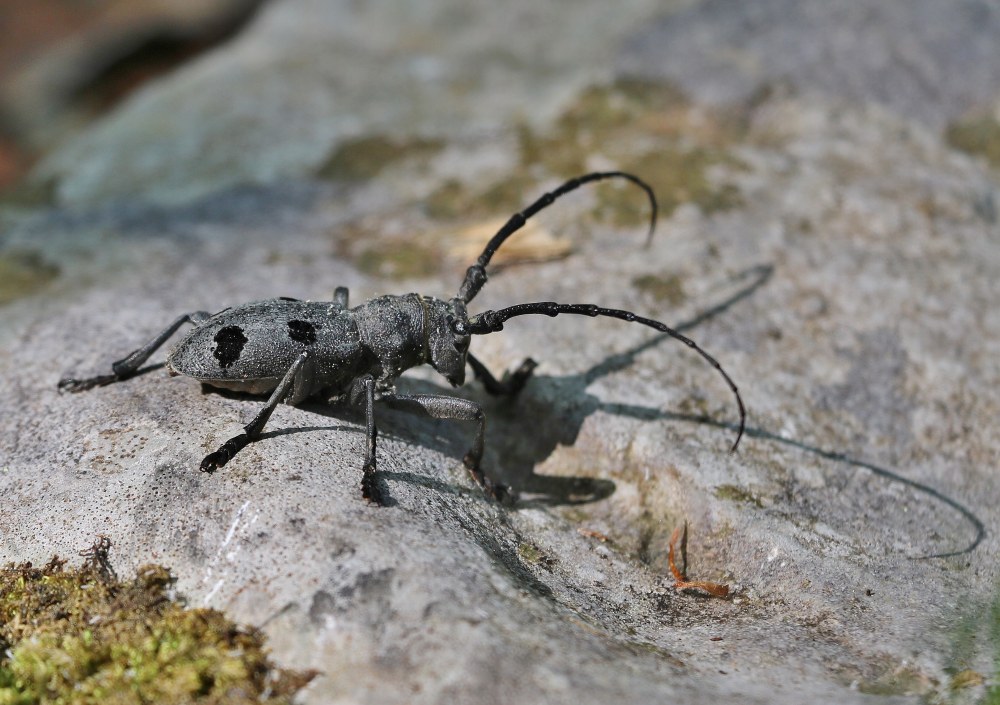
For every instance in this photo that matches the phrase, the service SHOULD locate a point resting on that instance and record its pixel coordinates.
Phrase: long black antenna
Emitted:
(492, 322)
(475, 276)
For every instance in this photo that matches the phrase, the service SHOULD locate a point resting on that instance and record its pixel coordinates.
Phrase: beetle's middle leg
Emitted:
(364, 393)
(512, 381)
(127, 366)
(445, 407)
(251, 432)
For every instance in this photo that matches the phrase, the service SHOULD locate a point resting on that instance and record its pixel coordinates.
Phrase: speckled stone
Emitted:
(849, 290)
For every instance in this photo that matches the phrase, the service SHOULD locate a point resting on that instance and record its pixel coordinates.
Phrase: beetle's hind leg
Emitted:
(127, 366)
(444, 407)
(512, 381)
(251, 432)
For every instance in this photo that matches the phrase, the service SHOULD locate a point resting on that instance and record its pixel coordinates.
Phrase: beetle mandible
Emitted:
(295, 349)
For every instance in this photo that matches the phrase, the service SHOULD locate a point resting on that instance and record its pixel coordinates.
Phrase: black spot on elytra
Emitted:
(302, 331)
(230, 345)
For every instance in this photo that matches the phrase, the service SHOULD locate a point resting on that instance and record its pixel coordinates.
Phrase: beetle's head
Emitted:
(448, 339)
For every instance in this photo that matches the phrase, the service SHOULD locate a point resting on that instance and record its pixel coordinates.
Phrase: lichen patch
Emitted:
(78, 636)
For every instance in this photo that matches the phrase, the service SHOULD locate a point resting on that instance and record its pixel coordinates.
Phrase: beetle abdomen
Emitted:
(251, 347)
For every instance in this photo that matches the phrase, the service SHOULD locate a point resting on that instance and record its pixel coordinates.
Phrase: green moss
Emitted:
(559, 153)
(964, 644)
(721, 198)
(448, 201)
(399, 260)
(677, 175)
(22, 273)
(903, 680)
(979, 136)
(646, 128)
(665, 289)
(737, 494)
(977, 630)
(31, 193)
(454, 201)
(993, 694)
(644, 647)
(597, 120)
(365, 157)
(966, 679)
(621, 102)
(531, 553)
(576, 514)
(504, 197)
(649, 129)
(81, 636)
(636, 125)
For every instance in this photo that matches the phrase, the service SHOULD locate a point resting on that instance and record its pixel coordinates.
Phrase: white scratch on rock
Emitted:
(221, 552)
(236, 522)
(215, 589)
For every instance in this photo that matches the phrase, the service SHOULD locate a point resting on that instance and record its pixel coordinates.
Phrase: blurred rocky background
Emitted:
(64, 63)
(828, 179)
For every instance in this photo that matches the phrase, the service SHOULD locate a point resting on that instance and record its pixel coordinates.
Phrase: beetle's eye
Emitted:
(457, 326)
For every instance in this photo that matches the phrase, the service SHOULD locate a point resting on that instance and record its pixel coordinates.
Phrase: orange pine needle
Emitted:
(713, 589)
(680, 578)
(678, 574)
(592, 534)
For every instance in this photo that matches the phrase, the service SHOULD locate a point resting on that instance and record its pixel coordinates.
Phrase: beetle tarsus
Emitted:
(516, 380)
(129, 365)
(214, 461)
(502, 494)
(73, 386)
(370, 489)
(494, 490)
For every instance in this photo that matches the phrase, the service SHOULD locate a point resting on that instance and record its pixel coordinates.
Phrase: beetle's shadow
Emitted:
(549, 412)
(524, 431)
(531, 435)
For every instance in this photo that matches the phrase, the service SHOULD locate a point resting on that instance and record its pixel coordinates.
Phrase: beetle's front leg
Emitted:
(444, 407)
(251, 432)
(127, 366)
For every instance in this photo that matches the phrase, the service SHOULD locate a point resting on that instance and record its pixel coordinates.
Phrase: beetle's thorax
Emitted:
(400, 332)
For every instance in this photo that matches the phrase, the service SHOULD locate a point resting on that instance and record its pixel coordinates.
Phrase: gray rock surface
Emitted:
(931, 61)
(837, 258)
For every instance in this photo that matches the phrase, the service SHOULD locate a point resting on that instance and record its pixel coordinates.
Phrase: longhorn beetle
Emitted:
(297, 349)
